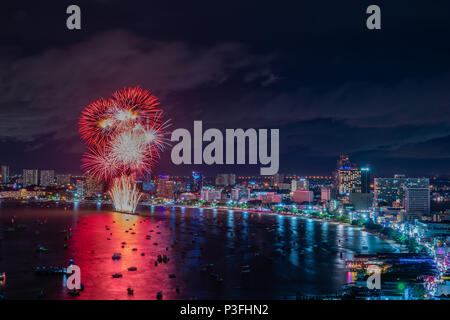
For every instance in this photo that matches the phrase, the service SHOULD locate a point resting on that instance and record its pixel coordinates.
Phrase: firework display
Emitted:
(125, 135)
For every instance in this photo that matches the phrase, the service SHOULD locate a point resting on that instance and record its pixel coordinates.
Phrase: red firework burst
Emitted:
(124, 134)
(101, 119)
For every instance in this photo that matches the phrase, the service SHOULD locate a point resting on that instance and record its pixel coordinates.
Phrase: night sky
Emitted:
(310, 68)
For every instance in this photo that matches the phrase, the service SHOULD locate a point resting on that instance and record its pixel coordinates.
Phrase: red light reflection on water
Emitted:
(91, 233)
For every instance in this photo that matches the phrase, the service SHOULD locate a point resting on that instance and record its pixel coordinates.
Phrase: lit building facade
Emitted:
(210, 195)
(417, 200)
(300, 196)
(4, 174)
(239, 194)
(166, 188)
(325, 194)
(270, 197)
(347, 177)
(391, 191)
(47, 178)
(196, 182)
(30, 177)
(301, 184)
(93, 187)
(63, 179)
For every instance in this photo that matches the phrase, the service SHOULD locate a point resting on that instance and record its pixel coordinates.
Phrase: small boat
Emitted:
(41, 249)
(116, 256)
(117, 275)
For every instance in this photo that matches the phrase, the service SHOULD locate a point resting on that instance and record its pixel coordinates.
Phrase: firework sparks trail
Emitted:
(125, 135)
(124, 194)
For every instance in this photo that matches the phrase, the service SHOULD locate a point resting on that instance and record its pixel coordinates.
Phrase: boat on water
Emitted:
(116, 256)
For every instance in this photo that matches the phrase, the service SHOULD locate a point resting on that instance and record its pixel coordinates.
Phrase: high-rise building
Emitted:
(301, 184)
(417, 200)
(300, 196)
(4, 174)
(196, 182)
(30, 177)
(348, 180)
(47, 178)
(225, 179)
(391, 191)
(347, 177)
(365, 180)
(325, 194)
(79, 187)
(63, 179)
(239, 194)
(93, 187)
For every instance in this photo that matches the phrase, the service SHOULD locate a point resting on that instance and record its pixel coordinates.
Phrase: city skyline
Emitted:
(15, 170)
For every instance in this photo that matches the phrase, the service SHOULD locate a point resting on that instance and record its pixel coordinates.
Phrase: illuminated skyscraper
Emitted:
(4, 174)
(196, 182)
(30, 177)
(347, 177)
(47, 178)
(365, 180)
(79, 187)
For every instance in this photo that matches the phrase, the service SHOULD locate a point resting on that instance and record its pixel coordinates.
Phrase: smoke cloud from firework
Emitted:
(125, 135)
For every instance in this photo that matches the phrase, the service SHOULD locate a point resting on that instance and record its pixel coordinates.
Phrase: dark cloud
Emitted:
(43, 94)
